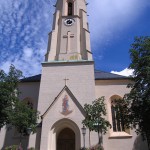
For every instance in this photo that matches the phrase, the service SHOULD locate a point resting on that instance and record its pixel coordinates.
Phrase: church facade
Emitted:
(67, 82)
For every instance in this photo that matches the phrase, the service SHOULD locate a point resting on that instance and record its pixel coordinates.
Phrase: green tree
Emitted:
(23, 118)
(14, 112)
(94, 118)
(8, 91)
(139, 96)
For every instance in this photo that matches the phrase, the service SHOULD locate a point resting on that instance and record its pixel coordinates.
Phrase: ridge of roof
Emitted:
(99, 75)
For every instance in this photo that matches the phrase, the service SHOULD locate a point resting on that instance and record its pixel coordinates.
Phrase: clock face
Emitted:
(69, 22)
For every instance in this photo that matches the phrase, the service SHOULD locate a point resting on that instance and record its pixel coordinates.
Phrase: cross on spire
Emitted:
(68, 36)
(66, 81)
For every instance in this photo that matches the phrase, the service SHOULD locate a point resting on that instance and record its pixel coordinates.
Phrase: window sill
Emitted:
(120, 135)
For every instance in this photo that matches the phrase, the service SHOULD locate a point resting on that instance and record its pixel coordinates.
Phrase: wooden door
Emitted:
(66, 140)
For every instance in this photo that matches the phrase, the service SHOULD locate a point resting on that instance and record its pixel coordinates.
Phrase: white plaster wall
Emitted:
(31, 90)
(80, 75)
(54, 115)
(57, 44)
(81, 83)
(2, 137)
(109, 88)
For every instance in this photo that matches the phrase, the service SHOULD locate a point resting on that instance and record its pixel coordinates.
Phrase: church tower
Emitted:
(70, 38)
(67, 80)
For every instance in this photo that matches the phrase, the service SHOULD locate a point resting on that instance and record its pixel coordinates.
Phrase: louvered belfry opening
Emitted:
(70, 8)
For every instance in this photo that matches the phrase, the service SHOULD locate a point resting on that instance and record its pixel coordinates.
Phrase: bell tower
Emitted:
(70, 36)
(67, 75)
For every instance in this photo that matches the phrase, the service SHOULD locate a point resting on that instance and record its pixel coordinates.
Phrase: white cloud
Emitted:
(29, 62)
(27, 53)
(23, 34)
(108, 17)
(125, 72)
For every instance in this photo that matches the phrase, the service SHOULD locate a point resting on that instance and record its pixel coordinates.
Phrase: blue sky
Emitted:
(24, 28)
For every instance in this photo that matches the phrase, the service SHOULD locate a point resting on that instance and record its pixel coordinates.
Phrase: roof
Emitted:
(36, 78)
(99, 75)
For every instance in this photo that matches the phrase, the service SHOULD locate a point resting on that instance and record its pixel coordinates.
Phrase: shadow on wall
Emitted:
(38, 138)
(139, 144)
(13, 138)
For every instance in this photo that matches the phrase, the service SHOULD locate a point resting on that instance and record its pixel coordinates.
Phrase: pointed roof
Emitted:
(99, 75)
(71, 95)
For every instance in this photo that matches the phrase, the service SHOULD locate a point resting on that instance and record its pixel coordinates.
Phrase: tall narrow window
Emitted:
(70, 9)
(117, 118)
(28, 102)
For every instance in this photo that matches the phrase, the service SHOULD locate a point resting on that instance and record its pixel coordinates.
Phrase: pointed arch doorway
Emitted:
(66, 133)
(66, 139)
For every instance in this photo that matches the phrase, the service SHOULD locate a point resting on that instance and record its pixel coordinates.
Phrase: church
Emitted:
(68, 81)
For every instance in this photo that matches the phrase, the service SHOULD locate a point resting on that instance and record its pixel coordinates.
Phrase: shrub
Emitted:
(32, 148)
(84, 148)
(96, 147)
(13, 147)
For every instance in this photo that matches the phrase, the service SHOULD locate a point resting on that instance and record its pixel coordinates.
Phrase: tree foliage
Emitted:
(135, 106)
(14, 112)
(95, 114)
(8, 91)
(23, 118)
(140, 88)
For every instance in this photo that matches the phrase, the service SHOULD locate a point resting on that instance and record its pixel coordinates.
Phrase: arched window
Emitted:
(70, 8)
(28, 102)
(117, 116)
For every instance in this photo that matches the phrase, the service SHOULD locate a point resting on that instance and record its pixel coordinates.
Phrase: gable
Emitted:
(65, 104)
